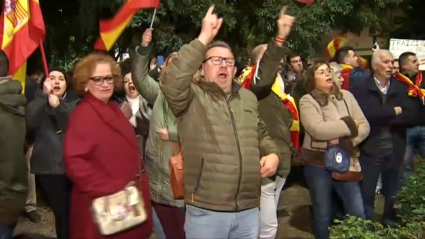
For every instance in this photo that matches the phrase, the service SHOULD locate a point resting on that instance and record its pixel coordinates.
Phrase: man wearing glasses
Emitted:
(226, 147)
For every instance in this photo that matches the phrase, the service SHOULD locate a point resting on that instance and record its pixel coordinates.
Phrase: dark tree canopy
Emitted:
(73, 25)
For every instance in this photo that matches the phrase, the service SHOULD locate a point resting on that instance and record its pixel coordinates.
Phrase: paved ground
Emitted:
(294, 218)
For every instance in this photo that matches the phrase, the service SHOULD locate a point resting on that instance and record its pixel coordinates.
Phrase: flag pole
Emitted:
(43, 55)
(153, 18)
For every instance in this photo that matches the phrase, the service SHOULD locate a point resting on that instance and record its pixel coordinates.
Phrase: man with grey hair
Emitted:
(387, 107)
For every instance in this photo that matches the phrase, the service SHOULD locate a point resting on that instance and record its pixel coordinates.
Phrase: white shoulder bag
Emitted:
(120, 211)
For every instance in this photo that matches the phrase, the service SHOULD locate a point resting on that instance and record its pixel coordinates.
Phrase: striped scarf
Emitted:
(250, 75)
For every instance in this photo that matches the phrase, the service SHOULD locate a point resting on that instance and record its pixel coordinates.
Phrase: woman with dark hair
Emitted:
(331, 116)
(47, 116)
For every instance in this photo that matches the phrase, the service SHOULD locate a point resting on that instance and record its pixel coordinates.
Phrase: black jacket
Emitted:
(369, 98)
(47, 152)
(419, 119)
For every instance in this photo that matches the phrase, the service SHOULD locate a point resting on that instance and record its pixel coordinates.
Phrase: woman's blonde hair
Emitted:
(84, 68)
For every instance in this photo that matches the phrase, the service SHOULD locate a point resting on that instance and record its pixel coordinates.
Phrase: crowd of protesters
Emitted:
(237, 137)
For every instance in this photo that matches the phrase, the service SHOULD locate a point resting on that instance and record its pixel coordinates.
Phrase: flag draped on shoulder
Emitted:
(414, 87)
(22, 30)
(249, 76)
(111, 30)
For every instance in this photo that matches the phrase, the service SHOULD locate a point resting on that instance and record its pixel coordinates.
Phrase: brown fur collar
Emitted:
(323, 99)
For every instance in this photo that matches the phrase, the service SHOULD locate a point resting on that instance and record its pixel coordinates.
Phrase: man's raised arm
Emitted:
(176, 80)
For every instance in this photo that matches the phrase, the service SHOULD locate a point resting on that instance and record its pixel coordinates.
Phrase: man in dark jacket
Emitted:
(13, 169)
(389, 110)
(409, 69)
(351, 72)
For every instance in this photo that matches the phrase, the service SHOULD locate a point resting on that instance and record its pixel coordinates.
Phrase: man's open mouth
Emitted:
(222, 75)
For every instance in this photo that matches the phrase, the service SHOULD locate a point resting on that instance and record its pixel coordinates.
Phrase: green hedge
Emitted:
(410, 209)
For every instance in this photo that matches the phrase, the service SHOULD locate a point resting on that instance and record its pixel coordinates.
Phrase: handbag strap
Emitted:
(346, 106)
(176, 149)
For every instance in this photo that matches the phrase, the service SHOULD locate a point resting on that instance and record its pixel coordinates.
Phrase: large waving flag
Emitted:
(338, 42)
(111, 29)
(21, 32)
(335, 44)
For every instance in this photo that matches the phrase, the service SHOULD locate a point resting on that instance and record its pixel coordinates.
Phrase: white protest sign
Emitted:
(399, 46)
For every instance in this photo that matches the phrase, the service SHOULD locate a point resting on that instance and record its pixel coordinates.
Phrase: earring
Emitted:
(85, 89)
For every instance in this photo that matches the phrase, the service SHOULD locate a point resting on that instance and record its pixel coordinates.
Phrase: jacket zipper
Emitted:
(161, 162)
(235, 132)
(198, 180)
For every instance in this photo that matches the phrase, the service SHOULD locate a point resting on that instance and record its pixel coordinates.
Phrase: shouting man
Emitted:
(225, 145)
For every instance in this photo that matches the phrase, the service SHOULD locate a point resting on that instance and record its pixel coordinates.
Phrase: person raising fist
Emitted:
(222, 138)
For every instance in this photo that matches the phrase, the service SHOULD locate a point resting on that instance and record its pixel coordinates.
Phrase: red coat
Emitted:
(101, 158)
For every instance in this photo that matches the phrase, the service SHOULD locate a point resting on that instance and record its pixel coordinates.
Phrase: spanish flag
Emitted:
(414, 87)
(22, 30)
(111, 30)
(338, 42)
(335, 44)
(249, 75)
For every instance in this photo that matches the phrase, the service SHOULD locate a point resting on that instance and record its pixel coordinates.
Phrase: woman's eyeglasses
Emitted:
(322, 72)
(98, 80)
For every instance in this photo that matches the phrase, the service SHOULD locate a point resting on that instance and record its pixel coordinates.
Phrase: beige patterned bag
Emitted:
(120, 211)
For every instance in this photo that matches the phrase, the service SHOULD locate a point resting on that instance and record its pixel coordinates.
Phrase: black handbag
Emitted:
(337, 159)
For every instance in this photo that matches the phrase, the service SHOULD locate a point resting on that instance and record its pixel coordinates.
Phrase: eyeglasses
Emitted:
(217, 60)
(322, 72)
(98, 80)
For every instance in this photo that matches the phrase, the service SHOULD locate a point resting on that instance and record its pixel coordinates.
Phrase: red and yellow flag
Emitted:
(247, 77)
(414, 87)
(335, 44)
(22, 29)
(338, 42)
(111, 29)
(362, 62)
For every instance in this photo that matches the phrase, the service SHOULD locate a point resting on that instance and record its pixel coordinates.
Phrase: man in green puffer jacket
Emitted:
(226, 147)
(13, 167)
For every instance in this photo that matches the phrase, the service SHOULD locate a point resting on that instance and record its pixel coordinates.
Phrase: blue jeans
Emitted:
(205, 224)
(321, 186)
(7, 232)
(391, 182)
(415, 141)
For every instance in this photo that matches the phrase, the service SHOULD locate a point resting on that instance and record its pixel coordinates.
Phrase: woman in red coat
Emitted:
(101, 149)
